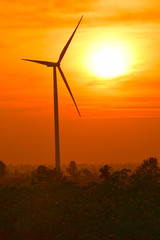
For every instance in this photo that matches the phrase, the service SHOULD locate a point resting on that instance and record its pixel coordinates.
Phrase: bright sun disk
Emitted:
(108, 61)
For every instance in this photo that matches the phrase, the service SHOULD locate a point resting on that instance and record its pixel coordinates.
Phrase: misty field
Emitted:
(120, 205)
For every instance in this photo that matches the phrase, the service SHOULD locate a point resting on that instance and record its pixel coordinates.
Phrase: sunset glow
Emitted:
(109, 63)
(107, 60)
(112, 68)
(79, 119)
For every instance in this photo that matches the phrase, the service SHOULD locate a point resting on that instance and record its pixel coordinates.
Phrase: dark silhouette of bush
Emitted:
(2, 169)
(86, 172)
(119, 208)
(149, 169)
(44, 174)
(121, 177)
(72, 170)
(105, 172)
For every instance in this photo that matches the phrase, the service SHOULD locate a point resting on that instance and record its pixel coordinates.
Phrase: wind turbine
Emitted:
(56, 117)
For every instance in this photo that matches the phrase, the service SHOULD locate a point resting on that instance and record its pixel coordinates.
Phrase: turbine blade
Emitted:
(48, 64)
(65, 81)
(67, 44)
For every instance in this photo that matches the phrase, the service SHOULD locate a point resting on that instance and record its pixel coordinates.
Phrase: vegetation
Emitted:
(2, 169)
(120, 205)
(149, 169)
(105, 172)
(72, 170)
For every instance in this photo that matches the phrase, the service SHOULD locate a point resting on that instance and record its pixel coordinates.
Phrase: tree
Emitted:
(149, 169)
(86, 172)
(121, 177)
(105, 172)
(72, 170)
(44, 174)
(2, 169)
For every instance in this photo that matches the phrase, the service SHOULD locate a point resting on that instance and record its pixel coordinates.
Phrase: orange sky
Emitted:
(120, 117)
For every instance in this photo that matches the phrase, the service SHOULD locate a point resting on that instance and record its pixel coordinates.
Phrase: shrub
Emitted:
(149, 169)
(2, 169)
(72, 170)
(105, 172)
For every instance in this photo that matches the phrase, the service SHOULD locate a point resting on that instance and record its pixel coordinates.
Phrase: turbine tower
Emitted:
(56, 117)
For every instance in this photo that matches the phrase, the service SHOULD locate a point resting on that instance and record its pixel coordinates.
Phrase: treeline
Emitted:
(148, 168)
(119, 205)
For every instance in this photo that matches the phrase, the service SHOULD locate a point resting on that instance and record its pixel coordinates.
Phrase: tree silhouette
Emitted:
(86, 172)
(72, 170)
(2, 169)
(125, 207)
(105, 172)
(149, 169)
(43, 174)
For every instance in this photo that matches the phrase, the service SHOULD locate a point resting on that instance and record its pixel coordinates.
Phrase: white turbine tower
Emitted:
(56, 118)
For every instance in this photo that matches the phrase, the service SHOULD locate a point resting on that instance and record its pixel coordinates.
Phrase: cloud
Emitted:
(135, 107)
(53, 14)
(44, 14)
(143, 16)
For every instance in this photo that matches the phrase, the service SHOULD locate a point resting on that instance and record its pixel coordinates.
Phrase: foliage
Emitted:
(44, 174)
(149, 169)
(123, 210)
(105, 172)
(72, 170)
(86, 172)
(125, 207)
(2, 169)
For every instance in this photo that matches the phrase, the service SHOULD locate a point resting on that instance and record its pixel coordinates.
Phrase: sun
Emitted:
(108, 60)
